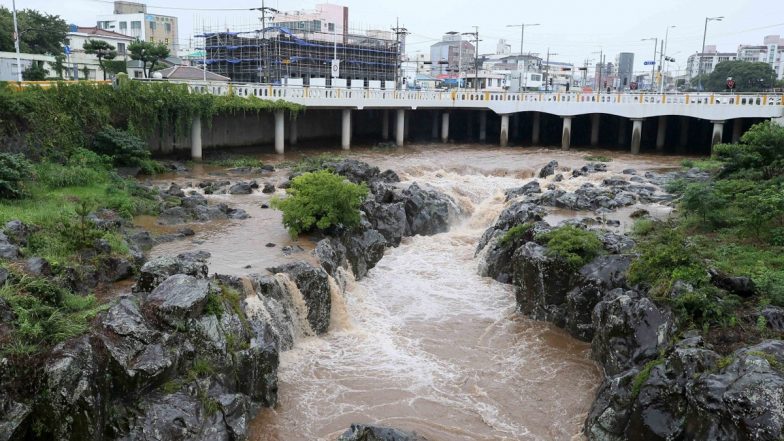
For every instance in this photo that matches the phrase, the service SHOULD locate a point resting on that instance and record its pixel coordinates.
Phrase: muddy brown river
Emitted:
(423, 343)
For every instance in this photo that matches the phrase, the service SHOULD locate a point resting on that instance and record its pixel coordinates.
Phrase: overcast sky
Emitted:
(574, 32)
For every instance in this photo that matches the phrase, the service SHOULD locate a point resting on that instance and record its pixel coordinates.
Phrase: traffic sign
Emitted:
(335, 69)
(649, 63)
(67, 49)
(730, 84)
(633, 85)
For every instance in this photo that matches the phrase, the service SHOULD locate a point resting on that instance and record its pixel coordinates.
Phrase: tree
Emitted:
(761, 149)
(150, 53)
(86, 72)
(58, 66)
(102, 50)
(115, 66)
(40, 33)
(749, 77)
(34, 73)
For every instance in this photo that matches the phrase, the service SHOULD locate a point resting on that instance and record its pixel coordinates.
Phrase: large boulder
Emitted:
(361, 432)
(428, 211)
(548, 169)
(159, 269)
(178, 298)
(595, 280)
(178, 417)
(515, 214)
(388, 219)
(526, 190)
(17, 232)
(629, 330)
(542, 283)
(313, 283)
(355, 171)
(364, 248)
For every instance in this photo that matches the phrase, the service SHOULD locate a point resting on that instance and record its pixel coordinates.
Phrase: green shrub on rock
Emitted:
(125, 148)
(320, 200)
(574, 245)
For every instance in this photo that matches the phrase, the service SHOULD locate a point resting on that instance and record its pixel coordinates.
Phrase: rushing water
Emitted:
(424, 343)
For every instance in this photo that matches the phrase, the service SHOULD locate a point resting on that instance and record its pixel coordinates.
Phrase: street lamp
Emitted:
(702, 54)
(522, 41)
(653, 66)
(663, 58)
(476, 41)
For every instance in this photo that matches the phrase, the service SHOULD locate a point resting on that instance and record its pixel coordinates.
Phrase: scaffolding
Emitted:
(278, 55)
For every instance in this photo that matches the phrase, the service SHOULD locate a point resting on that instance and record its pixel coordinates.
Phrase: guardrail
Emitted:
(318, 93)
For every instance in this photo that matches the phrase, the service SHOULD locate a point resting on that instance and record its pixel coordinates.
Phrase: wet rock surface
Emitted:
(360, 432)
(660, 382)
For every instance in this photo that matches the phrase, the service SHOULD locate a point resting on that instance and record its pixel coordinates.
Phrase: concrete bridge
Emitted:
(603, 111)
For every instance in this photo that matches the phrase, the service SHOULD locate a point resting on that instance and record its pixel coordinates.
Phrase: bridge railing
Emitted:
(467, 97)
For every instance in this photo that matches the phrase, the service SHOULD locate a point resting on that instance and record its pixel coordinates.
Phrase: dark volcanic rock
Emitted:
(428, 211)
(268, 188)
(388, 219)
(548, 169)
(360, 432)
(179, 297)
(527, 189)
(159, 269)
(742, 286)
(629, 330)
(17, 232)
(180, 417)
(515, 214)
(355, 171)
(38, 266)
(313, 283)
(242, 188)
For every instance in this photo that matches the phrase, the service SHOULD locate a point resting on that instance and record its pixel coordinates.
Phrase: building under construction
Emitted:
(280, 55)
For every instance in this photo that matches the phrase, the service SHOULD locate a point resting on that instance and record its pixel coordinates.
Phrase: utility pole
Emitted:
(399, 31)
(547, 70)
(663, 58)
(522, 42)
(264, 9)
(702, 54)
(476, 41)
(16, 45)
(653, 66)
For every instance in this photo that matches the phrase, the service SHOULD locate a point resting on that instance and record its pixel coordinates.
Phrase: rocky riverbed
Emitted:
(221, 327)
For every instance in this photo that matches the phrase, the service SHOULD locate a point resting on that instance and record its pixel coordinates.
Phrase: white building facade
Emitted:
(132, 20)
(771, 51)
(705, 63)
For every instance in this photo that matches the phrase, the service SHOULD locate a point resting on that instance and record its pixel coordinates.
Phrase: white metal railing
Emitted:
(468, 97)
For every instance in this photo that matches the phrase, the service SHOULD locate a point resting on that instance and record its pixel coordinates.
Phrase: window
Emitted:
(167, 27)
(152, 25)
(121, 48)
(123, 25)
(136, 25)
(331, 27)
(166, 41)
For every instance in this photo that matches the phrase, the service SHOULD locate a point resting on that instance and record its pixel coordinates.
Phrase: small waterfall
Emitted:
(300, 307)
(339, 319)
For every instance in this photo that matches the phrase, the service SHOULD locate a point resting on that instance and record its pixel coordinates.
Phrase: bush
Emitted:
(574, 245)
(125, 148)
(14, 170)
(761, 149)
(703, 200)
(516, 233)
(61, 176)
(320, 200)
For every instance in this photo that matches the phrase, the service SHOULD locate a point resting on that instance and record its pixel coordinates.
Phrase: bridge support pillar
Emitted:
(407, 126)
(594, 130)
(280, 132)
(661, 134)
(434, 130)
(636, 136)
(196, 138)
(504, 130)
(622, 131)
(535, 128)
(718, 133)
(345, 142)
(385, 125)
(566, 136)
(737, 129)
(445, 127)
(400, 127)
(514, 131)
(684, 134)
(293, 133)
(483, 125)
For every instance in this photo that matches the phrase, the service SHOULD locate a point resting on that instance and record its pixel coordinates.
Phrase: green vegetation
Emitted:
(748, 76)
(598, 158)
(148, 53)
(708, 165)
(43, 33)
(643, 376)
(56, 120)
(46, 314)
(574, 245)
(311, 163)
(14, 171)
(102, 50)
(320, 200)
(734, 223)
(514, 234)
(238, 162)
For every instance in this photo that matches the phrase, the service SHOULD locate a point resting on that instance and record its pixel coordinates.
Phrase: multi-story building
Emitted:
(704, 63)
(324, 23)
(84, 62)
(132, 19)
(452, 55)
(604, 75)
(625, 63)
(771, 51)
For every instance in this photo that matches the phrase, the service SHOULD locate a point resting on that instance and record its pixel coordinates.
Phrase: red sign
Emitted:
(730, 84)
(633, 85)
